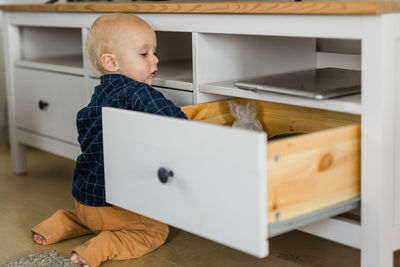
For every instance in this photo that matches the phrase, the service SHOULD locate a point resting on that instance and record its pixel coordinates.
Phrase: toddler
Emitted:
(123, 48)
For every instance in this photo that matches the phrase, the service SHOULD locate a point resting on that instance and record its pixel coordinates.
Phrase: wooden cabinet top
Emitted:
(221, 7)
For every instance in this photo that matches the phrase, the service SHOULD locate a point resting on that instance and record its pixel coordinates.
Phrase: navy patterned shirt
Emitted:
(116, 91)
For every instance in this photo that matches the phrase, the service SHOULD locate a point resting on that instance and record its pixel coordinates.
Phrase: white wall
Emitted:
(3, 105)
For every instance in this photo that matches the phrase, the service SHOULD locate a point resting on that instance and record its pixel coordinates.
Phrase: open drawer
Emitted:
(231, 185)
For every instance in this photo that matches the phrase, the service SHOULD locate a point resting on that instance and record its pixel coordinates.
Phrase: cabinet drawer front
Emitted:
(178, 97)
(218, 187)
(47, 103)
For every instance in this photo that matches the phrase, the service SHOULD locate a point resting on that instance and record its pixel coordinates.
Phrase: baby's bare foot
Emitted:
(77, 259)
(39, 239)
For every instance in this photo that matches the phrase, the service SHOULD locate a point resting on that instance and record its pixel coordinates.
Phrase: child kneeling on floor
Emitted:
(123, 48)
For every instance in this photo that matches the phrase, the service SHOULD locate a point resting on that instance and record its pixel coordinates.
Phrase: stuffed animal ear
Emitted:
(234, 109)
(251, 109)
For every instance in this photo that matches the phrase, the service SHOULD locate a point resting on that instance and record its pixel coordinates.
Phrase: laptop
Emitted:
(321, 83)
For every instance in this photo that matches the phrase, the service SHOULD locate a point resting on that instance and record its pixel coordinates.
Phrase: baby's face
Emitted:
(136, 54)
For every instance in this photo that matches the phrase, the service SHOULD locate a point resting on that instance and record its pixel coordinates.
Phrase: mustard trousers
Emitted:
(121, 234)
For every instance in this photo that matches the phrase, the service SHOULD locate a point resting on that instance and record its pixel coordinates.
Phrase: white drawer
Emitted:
(178, 97)
(47, 103)
(230, 185)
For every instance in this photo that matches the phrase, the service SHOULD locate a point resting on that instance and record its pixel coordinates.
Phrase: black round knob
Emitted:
(164, 174)
(43, 105)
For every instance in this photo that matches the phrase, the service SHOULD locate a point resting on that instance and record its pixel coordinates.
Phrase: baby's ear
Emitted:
(109, 62)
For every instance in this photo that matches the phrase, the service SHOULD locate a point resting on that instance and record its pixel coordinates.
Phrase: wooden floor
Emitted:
(26, 200)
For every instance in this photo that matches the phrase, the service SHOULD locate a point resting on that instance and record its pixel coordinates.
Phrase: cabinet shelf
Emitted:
(72, 64)
(348, 104)
(176, 74)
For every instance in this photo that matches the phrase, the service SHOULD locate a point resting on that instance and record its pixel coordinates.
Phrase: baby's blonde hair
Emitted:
(100, 39)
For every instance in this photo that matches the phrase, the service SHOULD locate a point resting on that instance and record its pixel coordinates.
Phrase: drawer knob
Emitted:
(164, 174)
(43, 105)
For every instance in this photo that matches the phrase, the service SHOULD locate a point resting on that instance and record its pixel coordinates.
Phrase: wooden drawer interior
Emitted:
(307, 172)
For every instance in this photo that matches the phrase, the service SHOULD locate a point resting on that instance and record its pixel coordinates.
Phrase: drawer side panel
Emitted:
(314, 171)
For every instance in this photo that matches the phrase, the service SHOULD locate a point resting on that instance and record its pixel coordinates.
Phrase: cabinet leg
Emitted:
(376, 256)
(379, 138)
(18, 157)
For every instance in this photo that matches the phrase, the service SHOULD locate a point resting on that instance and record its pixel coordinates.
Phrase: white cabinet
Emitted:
(201, 55)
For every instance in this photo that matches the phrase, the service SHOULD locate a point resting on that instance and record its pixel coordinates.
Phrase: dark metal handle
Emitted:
(43, 105)
(164, 174)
